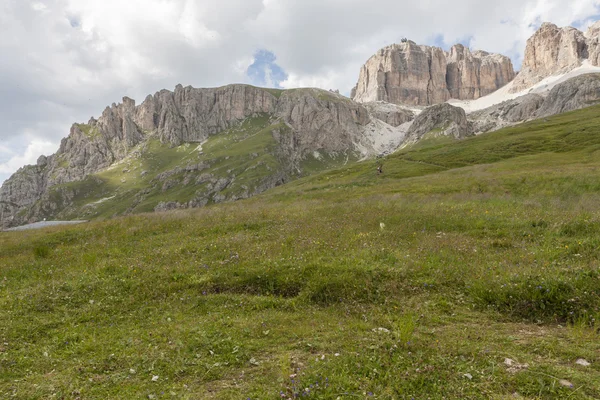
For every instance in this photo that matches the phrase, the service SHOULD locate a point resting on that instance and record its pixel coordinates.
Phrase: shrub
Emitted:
(41, 251)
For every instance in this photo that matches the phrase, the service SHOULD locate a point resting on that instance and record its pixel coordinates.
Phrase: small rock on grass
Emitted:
(381, 330)
(582, 362)
(513, 367)
(565, 383)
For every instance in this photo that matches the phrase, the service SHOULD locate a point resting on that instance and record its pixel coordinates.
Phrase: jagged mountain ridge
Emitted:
(191, 147)
(283, 134)
(552, 50)
(575, 93)
(407, 73)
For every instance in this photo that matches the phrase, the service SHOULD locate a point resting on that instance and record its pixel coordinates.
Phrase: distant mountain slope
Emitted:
(192, 147)
(519, 151)
(407, 73)
(553, 50)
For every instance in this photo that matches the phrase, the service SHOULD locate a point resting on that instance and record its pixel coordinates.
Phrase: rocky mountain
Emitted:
(191, 147)
(437, 121)
(553, 50)
(410, 74)
(573, 94)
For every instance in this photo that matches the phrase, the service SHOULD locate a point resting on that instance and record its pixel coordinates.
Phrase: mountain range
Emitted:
(192, 147)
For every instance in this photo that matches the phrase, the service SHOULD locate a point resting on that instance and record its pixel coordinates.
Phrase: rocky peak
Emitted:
(553, 50)
(439, 120)
(410, 74)
(593, 30)
(305, 121)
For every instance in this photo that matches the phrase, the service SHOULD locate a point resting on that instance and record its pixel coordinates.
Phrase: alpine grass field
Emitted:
(466, 270)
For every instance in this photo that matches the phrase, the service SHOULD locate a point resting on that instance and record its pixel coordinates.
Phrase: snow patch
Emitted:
(503, 94)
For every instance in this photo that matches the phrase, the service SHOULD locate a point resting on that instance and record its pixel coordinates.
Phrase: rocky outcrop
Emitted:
(306, 120)
(191, 115)
(506, 113)
(579, 92)
(576, 93)
(320, 120)
(553, 50)
(474, 75)
(20, 192)
(439, 120)
(410, 74)
(392, 114)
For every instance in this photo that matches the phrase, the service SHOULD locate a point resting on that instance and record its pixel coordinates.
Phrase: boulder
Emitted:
(439, 120)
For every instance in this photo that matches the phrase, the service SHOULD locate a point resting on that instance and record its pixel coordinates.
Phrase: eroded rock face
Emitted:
(439, 120)
(506, 113)
(553, 50)
(474, 75)
(576, 93)
(20, 192)
(191, 115)
(310, 120)
(392, 114)
(422, 75)
(579, 92)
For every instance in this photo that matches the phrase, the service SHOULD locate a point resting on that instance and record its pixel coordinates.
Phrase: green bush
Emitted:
(550, 299)
(41, 251)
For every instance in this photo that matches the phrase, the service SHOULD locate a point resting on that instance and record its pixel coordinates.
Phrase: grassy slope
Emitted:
(488, 250)
(246, 152)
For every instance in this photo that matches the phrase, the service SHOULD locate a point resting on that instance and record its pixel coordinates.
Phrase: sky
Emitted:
(64, 61)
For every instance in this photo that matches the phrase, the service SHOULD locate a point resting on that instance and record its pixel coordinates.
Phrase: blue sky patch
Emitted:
(580, 24)
(265, 71)
(74, 21)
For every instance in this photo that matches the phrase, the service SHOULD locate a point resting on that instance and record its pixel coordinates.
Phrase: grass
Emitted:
(88, 130)
(417, 283)
(247, 152)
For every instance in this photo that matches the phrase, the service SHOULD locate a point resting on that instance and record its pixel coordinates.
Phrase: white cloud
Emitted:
(35, 148)
(65, 60)
(38, 6)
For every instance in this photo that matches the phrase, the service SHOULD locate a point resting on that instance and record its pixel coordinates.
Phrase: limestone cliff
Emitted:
(410, 74)
(299, 122)
(553, 50)
(439, 120)
(573, 94)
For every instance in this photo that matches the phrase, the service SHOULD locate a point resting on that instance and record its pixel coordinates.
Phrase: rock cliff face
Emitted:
(579, 92)
(191, 115)
(302, 121)
(553, 50)
(439, 120)
(573, 94)
(410, 74)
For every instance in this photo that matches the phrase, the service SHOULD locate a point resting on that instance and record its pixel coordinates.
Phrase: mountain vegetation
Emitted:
(467, 269)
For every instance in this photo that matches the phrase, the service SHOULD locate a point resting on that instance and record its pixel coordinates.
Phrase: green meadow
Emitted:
(467, 270)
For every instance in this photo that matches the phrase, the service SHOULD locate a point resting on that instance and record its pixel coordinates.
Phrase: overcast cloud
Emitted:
(64, 61)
